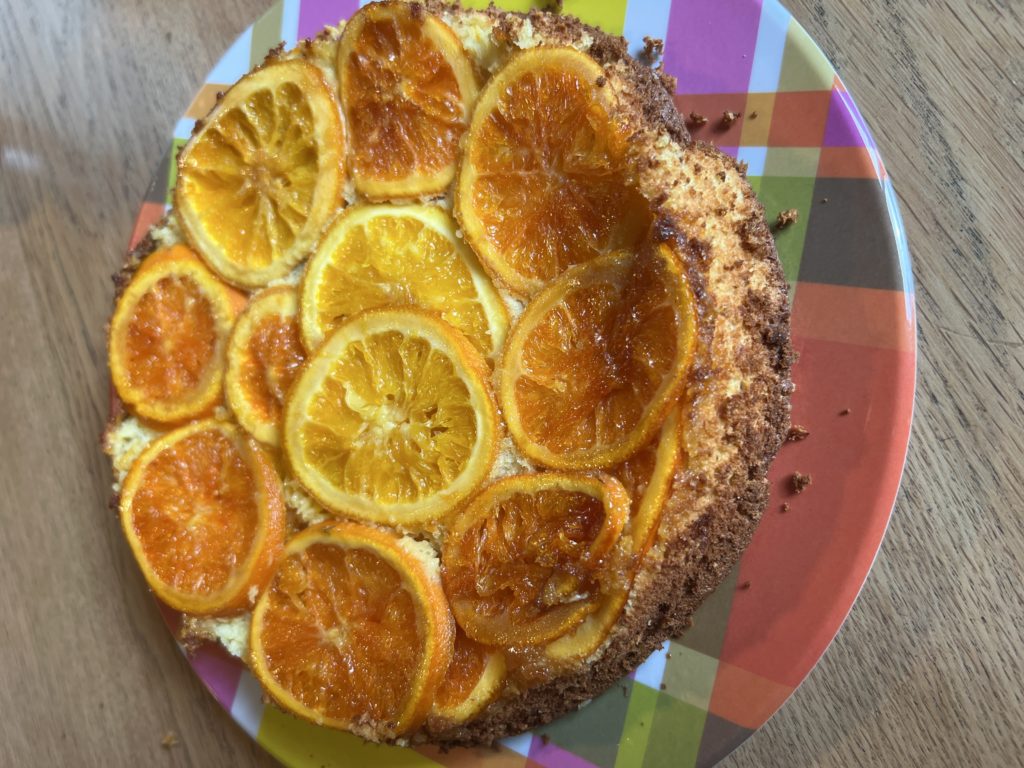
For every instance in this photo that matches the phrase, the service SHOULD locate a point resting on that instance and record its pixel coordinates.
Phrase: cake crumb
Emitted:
(786, 218)
(728, 118)
(745, 585)
(625, 692)
(785, 507)
(797, 433)
(169, 740)
(697, 119)
(653, 48)
(663, 687)
(753, 115)
(844, 412)
(799, 481)
(545, 739)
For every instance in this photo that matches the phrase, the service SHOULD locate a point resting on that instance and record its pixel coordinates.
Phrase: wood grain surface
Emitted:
(928, 669)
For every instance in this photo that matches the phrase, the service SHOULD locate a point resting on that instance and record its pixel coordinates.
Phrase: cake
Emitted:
(447, 390)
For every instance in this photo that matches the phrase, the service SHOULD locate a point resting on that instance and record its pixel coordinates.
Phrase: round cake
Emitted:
(448, 387)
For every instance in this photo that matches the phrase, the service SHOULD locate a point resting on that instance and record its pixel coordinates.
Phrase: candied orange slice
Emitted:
(472, 681)
(202, 510)
(391, 255)
(264, 173)
(544, 182)
(393, 419)
(594, 363)
(168, 336)
(353, 631)
(647, 476)
(407, 88)
(265, 353)
(522, 562)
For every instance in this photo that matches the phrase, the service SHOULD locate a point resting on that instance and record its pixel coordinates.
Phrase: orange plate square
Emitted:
(845, 163)
(805, 566)
(798, 119)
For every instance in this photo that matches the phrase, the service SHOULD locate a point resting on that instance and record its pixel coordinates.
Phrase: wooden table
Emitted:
(928, 669)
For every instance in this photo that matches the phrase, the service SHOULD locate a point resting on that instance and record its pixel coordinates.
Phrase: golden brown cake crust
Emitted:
(739, 386)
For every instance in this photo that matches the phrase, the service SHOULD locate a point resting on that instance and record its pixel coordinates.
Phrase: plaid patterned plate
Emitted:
(848, 264)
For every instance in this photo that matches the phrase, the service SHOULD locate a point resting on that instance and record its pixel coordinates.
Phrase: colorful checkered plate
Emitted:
(846, 258)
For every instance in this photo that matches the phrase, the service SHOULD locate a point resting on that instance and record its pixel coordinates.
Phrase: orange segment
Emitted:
(203, 513)
(407, 88)
(168, 335)
(544, 182)
(264, 357)
(472, 681)
(354, 631)
(392, 255)
(596, 360)
(393, 419)
(521, 564)
(263, 175)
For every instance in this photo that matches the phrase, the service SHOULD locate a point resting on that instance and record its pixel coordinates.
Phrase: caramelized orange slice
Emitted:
(407, 89)
(203, 513)
(522, 563)
(647, 476)
(544, 182)
(596, 360)
(264, 174)
(393, 255)
(264, 357)
(354, 631)
(168, 336)
(393, 419)
(472, 681)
